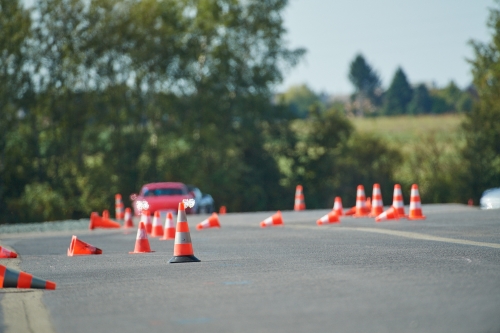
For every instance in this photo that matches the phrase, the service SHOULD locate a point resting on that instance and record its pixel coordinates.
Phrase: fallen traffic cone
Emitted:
(119, 214)
(377, 204)
(129, 223)
(146, 219)
(183, 249)
(329, 218)
(10, 278)
(415, 206)
(299, 204)
(390, 214)
(169, 231)
(80, 248)
(273, 220)
(351, 211)
(141, 241)
(337, 207)
(397, 201)
(101, 222)
(361, 209)
(4, 253)
(157, 228)
(211, 222)
(222, 210)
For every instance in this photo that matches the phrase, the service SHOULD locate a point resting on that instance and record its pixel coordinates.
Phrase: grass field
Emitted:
(412, 129)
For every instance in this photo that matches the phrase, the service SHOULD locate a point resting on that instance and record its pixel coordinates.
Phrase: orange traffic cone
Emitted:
(157, 228)
(211, 222)
(119, 214)
(273, 220)
(331, 217)
(141, 241)
(377, 204)
(397, 201)
(222, 210)
(129, 223)
(183, 249)
(4, 253)
(10, 278)
(101, 222)
(390, 214)
(415, 206)
(361, 209)
(300, 204)
(368, 203)
(80, 248)
(169, 231)
(351, 211)
(337, 207)
(105, 214)
(146, 219)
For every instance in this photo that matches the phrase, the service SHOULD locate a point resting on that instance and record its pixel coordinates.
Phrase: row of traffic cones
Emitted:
(374, 208)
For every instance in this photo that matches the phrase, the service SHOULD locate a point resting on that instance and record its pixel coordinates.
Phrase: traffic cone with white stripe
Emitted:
(157, 229)
(211, 222)
(80, 248)
(397, 201)
(361, 209)
(274, 220)
(183, 248)
(337, 207)
(146, 219)
(10, 278)
(4, 253)
(377, 204)
(390, 214)
(329, 218)
(169, 231)
(119, 213)
(129, 223)
(300, 204)
(415, 206)
(141, 241)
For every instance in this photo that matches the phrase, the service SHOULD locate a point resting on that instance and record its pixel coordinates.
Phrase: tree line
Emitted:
(99, 97)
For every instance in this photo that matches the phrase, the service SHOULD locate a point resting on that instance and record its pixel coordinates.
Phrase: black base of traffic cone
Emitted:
(183, 259)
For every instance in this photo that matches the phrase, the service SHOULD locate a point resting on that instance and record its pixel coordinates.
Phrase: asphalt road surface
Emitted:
(441, 274)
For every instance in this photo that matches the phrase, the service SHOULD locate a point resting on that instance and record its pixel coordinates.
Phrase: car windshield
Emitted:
(163, 191)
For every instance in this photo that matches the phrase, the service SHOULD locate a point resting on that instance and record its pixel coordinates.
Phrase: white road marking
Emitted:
(406, 234)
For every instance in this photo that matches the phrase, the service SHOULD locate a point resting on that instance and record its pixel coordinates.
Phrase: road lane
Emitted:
(295, 278)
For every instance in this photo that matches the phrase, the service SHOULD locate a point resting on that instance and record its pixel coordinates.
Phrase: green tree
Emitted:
(15, 96)
(421, 102)
(299, 98)
(482, 125)
(398, 96)
(366, 83)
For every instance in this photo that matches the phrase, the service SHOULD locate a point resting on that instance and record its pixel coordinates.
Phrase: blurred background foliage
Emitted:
(98, 97)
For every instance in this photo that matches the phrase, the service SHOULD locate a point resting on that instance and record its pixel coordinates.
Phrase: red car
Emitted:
(162, 197)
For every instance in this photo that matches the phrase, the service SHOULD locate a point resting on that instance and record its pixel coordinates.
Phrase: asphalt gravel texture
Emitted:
(355, 276)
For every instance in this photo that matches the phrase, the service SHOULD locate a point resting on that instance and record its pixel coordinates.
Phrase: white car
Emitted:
(490, 199)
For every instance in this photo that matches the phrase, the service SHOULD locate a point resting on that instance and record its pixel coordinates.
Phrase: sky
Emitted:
(428, 39)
